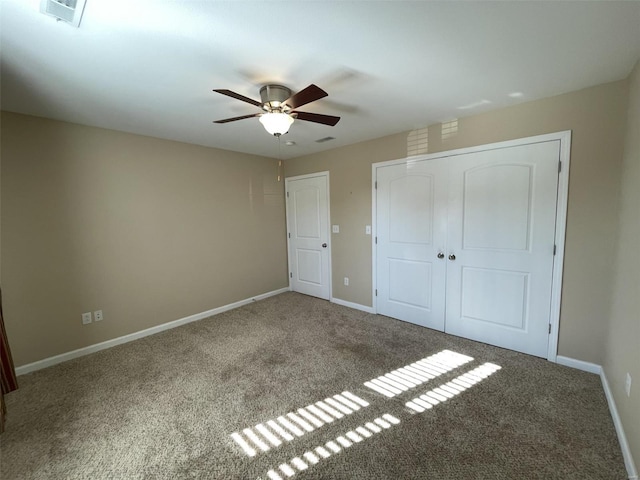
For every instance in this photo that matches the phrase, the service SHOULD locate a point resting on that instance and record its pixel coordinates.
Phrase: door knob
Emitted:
(452, 257)
(324, 245)
(440, 255)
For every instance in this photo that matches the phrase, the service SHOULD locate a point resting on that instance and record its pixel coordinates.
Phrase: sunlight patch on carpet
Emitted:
(333, 447)
(271, 434)
(415, 374)
(450, 389)
(361, 433)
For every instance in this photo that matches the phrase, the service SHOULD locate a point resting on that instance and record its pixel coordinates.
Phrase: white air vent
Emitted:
(69, 11)
(325, 139)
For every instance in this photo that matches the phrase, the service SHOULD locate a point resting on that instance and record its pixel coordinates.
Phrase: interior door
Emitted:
(308, 232)
(411, 232)
(501, 230)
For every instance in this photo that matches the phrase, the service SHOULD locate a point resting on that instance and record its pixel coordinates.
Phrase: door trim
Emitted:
(564, 138)
(286, 206)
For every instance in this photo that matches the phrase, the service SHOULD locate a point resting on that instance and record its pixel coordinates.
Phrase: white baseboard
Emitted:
(356, 306)
(48, 362)
(579, 364)
(622, 438)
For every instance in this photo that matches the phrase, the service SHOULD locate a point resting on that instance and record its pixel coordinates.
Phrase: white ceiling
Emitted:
(149, 66)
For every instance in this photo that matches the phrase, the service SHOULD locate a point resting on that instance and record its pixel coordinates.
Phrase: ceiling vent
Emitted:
(69, 11)
(325, 139)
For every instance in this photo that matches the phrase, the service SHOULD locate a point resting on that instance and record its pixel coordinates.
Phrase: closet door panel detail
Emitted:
(411, 230)
(465, 243)
(501, 229)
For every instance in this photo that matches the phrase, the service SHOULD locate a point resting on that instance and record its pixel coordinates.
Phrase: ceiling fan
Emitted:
(279, 106)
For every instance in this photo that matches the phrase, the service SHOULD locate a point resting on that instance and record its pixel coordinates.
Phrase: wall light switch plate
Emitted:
(86, 318)
(367, 229)
(98, 315)
(335, 229)
(627, 385)
(346, 281)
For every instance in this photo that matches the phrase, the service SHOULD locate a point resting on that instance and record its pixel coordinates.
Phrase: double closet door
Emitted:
(465, 243)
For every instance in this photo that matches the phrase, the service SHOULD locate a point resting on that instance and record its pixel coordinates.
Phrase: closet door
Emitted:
(502, 206)
(411, 232)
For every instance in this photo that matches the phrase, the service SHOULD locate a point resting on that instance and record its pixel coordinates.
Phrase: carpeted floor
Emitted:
(210, 400)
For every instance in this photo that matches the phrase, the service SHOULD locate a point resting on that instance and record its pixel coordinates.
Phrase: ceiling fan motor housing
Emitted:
(273, 96)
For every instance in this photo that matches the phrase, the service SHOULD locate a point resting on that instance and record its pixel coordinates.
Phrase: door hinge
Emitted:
(289, 234)
(290, 274)
(376, 240)
(559, 167)
(287, 194)
(376, 184)
(549, 329)
(554, 248)
(376, 292)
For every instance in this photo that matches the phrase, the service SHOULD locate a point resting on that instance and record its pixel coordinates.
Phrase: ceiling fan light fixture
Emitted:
(276, 123)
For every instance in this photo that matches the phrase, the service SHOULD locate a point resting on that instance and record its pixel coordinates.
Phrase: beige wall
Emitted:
(623, 345)
(596, 116)
(150, 231)
(147, 230)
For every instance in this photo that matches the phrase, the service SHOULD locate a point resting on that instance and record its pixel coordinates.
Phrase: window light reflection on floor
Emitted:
(285, 428)
(322, 412)
(410, 376)
(419, 404)
(450, 389)
(264, 431)
(332, 447)
(271, 434)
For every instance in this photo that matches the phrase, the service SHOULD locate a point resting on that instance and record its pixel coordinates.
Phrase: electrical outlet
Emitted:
(627, 385)
(346, 281)
(97, 315)
(86, 318)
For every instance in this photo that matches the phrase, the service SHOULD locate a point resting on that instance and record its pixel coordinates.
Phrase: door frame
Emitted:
(287, 214)
(564, 137)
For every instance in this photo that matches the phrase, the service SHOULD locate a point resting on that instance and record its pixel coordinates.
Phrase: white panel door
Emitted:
(502, 206)
(411, 232)
(308, 232)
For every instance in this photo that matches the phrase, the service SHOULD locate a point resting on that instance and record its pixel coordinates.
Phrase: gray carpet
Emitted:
(166, 406)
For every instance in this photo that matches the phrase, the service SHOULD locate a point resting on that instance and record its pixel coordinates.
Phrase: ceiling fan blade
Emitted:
(237, 96)
(317, 118)
(227, 120)
(307, 95)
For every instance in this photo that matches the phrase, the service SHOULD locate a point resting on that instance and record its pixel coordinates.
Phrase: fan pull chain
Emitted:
(279, 158)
